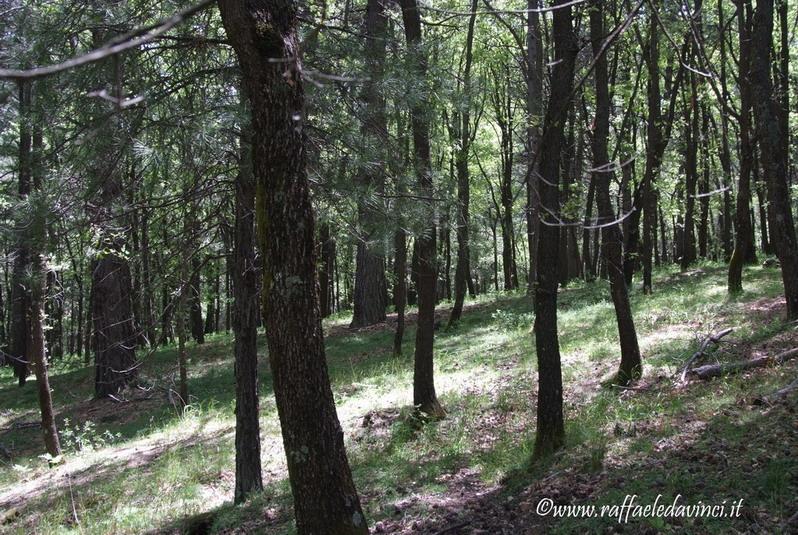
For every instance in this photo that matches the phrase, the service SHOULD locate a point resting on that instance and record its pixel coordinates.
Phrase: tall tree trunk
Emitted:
(114, 333)
(370, 283)
(631, 362)
(691, 175)
(245, 328)
(769, 133)
(550, 427)
(534, 105)
(325, 499)
(424, 396)
(703, 187)
(36, 238)
(463, 268)
(19, 295)
(725, 152)
(653, 156)
(743, 239)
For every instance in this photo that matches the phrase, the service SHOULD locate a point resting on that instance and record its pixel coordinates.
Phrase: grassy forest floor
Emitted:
(140, 467)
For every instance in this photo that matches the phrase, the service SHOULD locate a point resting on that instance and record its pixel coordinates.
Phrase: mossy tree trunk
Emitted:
(325, 499)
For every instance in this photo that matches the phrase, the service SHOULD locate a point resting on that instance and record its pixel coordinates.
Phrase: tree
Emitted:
(769, 131)
(426, 269)
(631, 363)
(245, 329)
(325, 499)
(744, 237)
(370, 284)
(550, 433)
(463, 119)
(114, 337)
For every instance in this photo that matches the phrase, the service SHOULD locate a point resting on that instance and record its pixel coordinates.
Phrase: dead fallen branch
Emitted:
(777, 395)
(716, 370)
(713, 339)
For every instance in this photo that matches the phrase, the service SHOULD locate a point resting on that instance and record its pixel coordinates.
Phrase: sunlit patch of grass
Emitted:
(168, 468)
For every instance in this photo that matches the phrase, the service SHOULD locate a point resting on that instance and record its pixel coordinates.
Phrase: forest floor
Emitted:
(137, 466)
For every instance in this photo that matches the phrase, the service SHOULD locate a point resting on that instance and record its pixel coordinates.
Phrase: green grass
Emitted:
(146, 468)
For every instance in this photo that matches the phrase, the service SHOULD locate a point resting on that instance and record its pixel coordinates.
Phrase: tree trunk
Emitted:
(691, 175)
(325, 499)
(245, 328)
(631, 362)
(534, 104)
(743, 239)
(424, 397)
(20, 297)
(463, 268)
(550, 427)
(370, 283)
(769, 133)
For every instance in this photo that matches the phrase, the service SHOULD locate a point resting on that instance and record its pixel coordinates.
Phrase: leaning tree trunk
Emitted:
(325, 499)
(245, 328)
(550, 427)
(768, 128)
(631, 363)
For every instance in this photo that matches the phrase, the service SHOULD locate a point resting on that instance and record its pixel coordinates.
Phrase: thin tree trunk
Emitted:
(245, 327)
(424, 397)
(631, 362)
(463, 268)
(550, 432)
(743, 243)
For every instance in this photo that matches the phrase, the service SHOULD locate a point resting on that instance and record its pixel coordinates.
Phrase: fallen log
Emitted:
(777, 395)
(711, 339)
(709, 371)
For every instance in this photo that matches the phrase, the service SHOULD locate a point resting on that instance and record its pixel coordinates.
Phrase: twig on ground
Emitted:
(711, 339)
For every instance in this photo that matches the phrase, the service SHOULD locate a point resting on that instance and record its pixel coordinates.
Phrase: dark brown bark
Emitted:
(245, 328)
(114, 333)
(654, 141)
(743, 240)
(20, 297)
(534, 104)
(424, 396)
(725, 152)
(550, 433)
(769, 133)
(463, 267)
(325, 499)
(114, 336)
(631, 362)
(370, 283)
